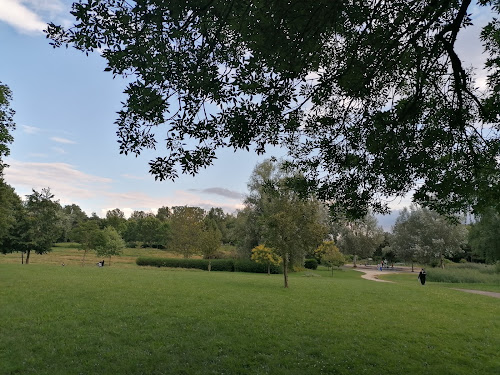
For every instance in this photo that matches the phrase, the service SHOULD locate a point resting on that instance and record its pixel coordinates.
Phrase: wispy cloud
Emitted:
(65, 180)
(95, 193)
(19, 16)
(226, 193)
(31, 16)
(59, 150)
(62, 140)
(30, 129)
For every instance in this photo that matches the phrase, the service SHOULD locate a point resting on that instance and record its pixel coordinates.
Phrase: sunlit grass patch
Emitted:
(118, 320)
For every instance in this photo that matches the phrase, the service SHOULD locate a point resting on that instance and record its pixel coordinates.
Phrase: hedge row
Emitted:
(228, 265)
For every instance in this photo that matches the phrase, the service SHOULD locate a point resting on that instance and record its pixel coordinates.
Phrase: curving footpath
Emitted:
(372, 273)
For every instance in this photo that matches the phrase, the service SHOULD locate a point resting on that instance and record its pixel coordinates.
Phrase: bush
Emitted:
(228, 265)
(311, 264)
(222, 265)
(242, 265)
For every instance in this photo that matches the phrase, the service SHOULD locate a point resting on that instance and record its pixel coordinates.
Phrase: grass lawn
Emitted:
(130, 320)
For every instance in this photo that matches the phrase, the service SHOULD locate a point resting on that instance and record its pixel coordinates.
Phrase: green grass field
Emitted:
(130, 320)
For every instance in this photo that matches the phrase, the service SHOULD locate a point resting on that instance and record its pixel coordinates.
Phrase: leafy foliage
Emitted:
(484, 237)
(290, 224)
(370, 98)
(109, 243)
(360, 237)
(7, 125)
(36, 226)
(330, 255)
(10, 206)
(228, 265)
(424, 235)
(311, 264)
(265, 255)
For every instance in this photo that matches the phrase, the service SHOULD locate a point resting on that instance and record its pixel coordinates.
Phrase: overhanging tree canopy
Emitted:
(370, 98)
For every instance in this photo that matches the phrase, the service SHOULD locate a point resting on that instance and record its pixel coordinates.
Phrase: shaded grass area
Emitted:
(71, 320)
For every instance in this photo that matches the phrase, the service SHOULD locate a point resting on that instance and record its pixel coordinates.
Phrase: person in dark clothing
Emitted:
(421, 276)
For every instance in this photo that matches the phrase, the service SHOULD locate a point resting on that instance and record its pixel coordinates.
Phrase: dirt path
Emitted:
(372, 273)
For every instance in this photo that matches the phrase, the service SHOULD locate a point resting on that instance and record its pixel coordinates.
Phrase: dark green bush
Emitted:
(311, 264)
(222, 265)
(243, 265)
(228, 265)
(201, 264)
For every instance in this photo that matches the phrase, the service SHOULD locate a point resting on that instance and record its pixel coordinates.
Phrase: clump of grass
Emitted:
(468, 275)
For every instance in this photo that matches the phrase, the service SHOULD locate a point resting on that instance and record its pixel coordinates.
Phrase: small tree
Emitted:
(210, 241)
(111, 243)
(87, 234)
(265, 255)
(331, 255)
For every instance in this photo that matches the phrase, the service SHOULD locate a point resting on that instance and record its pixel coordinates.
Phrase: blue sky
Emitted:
(65, 139)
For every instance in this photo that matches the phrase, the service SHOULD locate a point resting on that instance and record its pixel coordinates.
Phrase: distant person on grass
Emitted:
(421, 276)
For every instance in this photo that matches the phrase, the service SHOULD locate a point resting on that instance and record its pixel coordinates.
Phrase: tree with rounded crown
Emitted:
(265, 255)
(330, 255)
(109, 243)
(291, 224)
(210, 240)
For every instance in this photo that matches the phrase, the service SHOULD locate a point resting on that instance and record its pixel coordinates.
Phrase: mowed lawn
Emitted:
(132, 320)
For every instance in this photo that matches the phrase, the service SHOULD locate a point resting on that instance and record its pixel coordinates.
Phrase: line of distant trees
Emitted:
(273, 216)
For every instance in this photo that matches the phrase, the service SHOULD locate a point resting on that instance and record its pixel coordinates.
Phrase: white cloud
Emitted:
(30, 129)
(20, 17)
(67, 183)
(62, 140)
(94, 193)
(30, 16)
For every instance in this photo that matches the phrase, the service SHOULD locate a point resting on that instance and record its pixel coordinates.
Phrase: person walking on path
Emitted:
(421, 276)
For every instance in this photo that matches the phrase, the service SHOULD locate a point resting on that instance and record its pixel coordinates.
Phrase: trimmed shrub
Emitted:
(242, 265)
(228, 265)
(201, 264)
(222, 265)
(311, 264)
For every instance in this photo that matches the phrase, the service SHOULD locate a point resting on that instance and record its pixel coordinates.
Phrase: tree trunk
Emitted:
(28, 257)
(109, 261)
(354, 261)
(83, 259)
(209, 265)
(441, 260)
(412, 265)
(269, 268)
(22, 257)
(285, 269)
